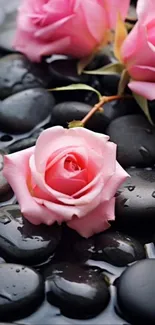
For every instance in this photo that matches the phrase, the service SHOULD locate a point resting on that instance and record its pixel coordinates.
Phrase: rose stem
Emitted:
(97, 106)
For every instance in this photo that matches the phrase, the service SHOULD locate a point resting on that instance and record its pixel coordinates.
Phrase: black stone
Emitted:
(136, 292)
(6, 192)
(109, 84)
(23, 111)
(21, 291)
(135, 138)
(64, 72)
(22, 242)
(84, 249)
(65, 112)
(117, 249)
(135, 203)
(79, 292)
(118, 108)
(25, 143)
(98, 61)
(17, 73)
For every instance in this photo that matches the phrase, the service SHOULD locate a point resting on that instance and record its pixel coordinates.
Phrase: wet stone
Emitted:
(136, 293)
(135, 203)
(25, 143)
(17, 73)
(64, 72)
(118, 108)
(22, 242)
(23, 111)
(22, 291)
(139, 151)
(79, 292)
(66, 112)
(112, 247)
(117, 249)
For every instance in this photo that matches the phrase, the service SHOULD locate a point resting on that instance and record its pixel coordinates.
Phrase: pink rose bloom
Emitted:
(138, 51)
(71, 27)
(69, 176)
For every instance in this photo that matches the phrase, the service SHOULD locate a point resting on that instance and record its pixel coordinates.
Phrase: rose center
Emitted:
(71, 165)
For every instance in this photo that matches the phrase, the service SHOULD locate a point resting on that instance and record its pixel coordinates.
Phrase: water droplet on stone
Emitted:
(18, 270)
(131, 188)
(153, 194)
(4, 219)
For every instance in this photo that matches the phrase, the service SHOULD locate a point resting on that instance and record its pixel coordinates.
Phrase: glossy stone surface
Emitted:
(139, 151)
(136, 292)
(112, 247)
(22, 291)
(135, 202)
(23, 111)
(17, 73)
(66, 112)
(26, 142)
(22, 242)
(118, 249)
(79, 292)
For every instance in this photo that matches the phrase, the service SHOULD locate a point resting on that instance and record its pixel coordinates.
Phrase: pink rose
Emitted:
(138, 51)
(70, 176)
(71, 27)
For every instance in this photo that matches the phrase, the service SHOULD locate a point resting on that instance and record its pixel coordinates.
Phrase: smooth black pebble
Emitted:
(79, 291)
(117, 249)
(6, 192)
(66, 112)
(23, 111)
(136, 292)
(25, 143)
(22, 242)
(64, 73)
(17, 73)
(21, 291)
(139, 150)
(135, 203)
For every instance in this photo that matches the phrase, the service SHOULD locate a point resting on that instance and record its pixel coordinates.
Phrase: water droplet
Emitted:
(131, 188)
(14, 294)
(118, 193)
(18, 270)
(153, 194)
(145, 154)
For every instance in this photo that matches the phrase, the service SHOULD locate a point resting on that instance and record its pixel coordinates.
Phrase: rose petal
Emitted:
(113, 8)
(142, 73)
(96, 221)
(145, 89)
(16, 167)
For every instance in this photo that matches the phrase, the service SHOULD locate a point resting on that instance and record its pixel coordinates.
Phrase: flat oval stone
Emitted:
(66, 112)
(23, 111)
(117, 249)
(135, 203)
(25, 143)
(17, 73)
(64, 72)
(139, 151)
(6, 192)
(22, 291)
(22, 242)
(79, 292)
(136, 292)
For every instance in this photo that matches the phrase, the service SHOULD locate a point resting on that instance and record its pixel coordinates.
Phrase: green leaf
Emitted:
(75, 124)
(143, 103)
(123, 82)
(114, 68)
(77, 87)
